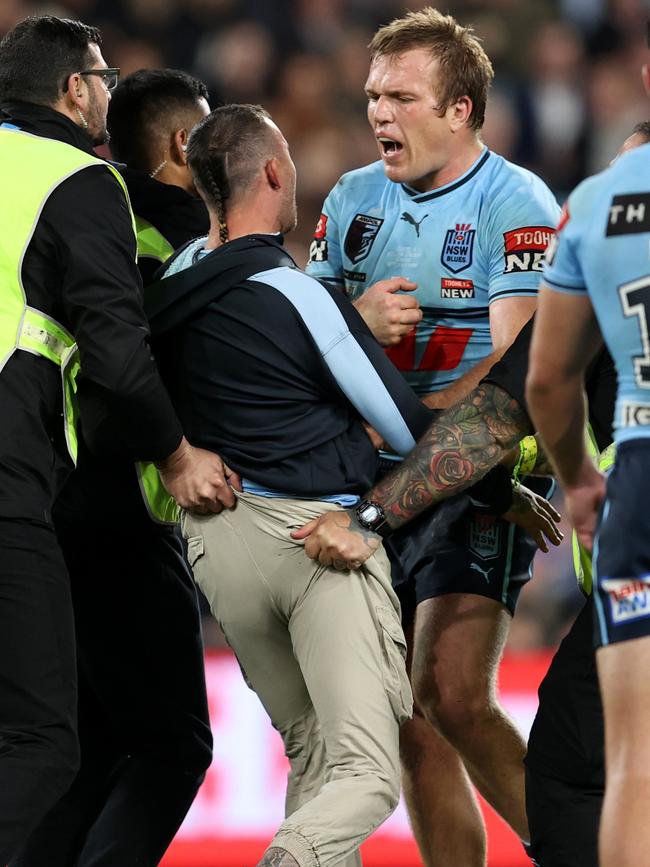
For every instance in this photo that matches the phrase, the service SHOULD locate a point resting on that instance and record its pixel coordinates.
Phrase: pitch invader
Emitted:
(465, 230)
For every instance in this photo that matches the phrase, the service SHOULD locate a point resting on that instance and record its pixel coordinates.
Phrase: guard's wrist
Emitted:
(527, 458)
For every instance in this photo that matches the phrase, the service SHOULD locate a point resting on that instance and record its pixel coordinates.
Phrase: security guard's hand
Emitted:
(387, 312)
(536, 516)
(199, 480)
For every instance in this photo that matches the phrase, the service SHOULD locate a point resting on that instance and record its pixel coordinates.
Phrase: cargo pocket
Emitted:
(393, 646)
(195, 549)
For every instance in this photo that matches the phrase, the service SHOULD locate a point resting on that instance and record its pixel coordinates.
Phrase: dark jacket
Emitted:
(178, 216)
(600, 383)
(274, 370)
(79, 268)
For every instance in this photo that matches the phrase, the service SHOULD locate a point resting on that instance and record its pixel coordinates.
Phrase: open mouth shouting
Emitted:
(389, 147)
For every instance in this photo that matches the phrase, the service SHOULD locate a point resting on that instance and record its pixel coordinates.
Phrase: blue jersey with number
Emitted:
(603, 249)
(472, 242)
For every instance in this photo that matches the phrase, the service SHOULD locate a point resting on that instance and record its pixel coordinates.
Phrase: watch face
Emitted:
(369, 513)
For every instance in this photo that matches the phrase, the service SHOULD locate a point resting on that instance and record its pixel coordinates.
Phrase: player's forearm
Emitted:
(558, 410)
(450, 395)
(458, 449)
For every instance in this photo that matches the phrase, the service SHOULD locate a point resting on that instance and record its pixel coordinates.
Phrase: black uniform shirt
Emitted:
(79, 268)
(600, 383)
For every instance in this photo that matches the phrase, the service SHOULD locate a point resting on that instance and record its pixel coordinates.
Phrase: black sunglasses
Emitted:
(110, 75)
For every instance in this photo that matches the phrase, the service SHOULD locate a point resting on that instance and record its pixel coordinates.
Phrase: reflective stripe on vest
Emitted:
(31, 168)
(151, 243)
(160, 505)
(582, 557)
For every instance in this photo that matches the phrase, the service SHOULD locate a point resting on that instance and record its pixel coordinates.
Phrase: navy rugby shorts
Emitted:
(458, 548)
(622, 549)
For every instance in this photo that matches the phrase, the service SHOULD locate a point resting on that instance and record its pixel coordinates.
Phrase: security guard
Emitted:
(143, 715)
(67, 252)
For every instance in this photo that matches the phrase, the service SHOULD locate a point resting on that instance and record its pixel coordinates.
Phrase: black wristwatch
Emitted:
(372, 517)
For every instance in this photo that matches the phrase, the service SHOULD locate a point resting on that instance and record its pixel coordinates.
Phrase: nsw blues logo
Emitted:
(458, 249)
(361, 236)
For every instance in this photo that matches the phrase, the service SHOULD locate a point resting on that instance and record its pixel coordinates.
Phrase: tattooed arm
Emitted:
(457, 450)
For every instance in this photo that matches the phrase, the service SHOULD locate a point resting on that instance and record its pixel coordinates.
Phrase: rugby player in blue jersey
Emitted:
(466, 231)
(597, 286)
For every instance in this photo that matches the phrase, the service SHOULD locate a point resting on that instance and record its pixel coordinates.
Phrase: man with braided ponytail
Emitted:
(281, 371)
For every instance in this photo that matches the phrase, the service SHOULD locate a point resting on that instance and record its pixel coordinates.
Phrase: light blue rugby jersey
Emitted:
(476, 240)
(603, 249)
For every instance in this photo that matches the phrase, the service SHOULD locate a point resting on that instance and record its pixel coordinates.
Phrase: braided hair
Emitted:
(225, 152)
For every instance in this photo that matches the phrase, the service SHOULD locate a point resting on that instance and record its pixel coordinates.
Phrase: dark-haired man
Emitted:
(68, 259)
(143, 719)
(151, 115)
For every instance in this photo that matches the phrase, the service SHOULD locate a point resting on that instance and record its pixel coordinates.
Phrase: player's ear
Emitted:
(459, 113)
(272, 174)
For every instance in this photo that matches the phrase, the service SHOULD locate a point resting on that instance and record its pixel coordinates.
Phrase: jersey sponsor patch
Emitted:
(318, 250)
(354, 276)
(629, 599)
(451, 287)
(629, 215)
(524, 248)
(321, 227)
(361, 236)
(635, 414)
(551, 250)
(458, 248)
(484, 535)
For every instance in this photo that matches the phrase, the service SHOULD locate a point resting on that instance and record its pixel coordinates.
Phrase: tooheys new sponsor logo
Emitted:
(629, 598)
(524, 248)
(454, 288)
(318, 247)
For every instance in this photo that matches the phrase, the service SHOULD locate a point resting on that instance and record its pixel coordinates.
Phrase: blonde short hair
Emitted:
(464, 67)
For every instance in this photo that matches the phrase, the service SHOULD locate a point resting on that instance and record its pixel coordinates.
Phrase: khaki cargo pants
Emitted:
(324, 651)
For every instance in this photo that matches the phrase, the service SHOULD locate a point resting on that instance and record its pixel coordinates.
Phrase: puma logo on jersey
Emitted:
(484, 572)
(409, 219)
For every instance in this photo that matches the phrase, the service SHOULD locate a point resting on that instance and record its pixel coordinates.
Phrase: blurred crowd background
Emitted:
(567, 92)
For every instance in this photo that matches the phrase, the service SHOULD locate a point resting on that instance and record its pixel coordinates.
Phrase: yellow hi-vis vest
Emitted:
(31, 168)
(161, 506)
(582, 557)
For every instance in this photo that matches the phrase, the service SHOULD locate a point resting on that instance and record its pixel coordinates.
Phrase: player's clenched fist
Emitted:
(387, 313)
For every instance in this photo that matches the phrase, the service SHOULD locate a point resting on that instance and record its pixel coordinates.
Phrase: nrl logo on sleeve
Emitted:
(458, 248)
(524, 248)
(361, 236)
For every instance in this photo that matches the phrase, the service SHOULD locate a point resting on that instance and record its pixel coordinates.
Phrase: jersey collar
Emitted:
(442, 191)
